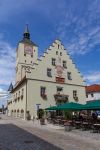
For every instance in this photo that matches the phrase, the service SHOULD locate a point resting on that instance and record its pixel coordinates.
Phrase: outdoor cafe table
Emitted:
(78, 124)
(96, 127)
(86, 125)
(64, 121)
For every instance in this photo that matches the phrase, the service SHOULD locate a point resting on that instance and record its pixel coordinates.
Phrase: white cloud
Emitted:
(80, 28)
(7, 63)
(92, 77)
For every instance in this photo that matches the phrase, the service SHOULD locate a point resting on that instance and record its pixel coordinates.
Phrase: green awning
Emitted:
(51, 108)
(93, 105)
(70, 106)
(66, 106)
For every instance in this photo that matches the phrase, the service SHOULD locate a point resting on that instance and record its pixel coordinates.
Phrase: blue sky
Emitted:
(76, 23)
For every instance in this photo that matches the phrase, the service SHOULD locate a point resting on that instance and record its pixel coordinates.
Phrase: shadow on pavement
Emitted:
(15, 138)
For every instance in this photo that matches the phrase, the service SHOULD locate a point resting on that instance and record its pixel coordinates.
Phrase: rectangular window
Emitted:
(59, 89)
(49, 74)
(74, 93)
(92, 95)
(19, 93)
(43, 91)
(60, 53)
(56, 52)
(64, 64)
(22, 91)
(53, 61)
(58, 46)
(69, 75)
(86, 95)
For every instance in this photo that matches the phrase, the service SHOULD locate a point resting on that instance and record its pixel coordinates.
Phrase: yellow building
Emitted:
(43, 82)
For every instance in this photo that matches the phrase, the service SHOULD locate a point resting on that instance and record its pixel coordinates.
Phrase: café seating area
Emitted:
(76, 123)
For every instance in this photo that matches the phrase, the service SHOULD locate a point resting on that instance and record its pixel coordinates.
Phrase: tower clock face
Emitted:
(28, 49)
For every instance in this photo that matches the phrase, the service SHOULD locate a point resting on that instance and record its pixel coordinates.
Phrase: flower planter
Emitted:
(42, 121)
(68, 127)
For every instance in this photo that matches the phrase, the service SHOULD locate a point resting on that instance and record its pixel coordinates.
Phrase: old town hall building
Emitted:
(43, 82)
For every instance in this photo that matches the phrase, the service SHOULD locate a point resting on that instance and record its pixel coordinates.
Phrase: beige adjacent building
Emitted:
(43, 82)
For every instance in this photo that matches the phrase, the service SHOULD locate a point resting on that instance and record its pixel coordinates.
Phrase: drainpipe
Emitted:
(26, 100)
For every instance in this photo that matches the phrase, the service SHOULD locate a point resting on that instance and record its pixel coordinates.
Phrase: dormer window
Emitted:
(53, 61)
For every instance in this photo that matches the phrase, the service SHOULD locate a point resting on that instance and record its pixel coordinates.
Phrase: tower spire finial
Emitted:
(26, 32)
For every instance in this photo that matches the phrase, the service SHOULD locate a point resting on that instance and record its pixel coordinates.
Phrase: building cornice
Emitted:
(56, 82)
(19, 84)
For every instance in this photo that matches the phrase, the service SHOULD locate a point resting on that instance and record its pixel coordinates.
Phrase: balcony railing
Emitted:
(61, 97)
(60, 80)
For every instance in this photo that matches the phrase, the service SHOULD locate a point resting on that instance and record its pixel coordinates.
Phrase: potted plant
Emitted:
(68, 116)
(41, 116)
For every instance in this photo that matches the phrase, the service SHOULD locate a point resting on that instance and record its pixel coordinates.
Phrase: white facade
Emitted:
(46, 81)
(93, 96)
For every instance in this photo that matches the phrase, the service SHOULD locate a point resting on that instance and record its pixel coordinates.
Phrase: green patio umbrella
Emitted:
(51, 108)
(93, 105)
(70, 106)
(66, 106)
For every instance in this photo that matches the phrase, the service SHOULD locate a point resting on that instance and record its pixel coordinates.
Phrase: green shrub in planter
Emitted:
(68, 115)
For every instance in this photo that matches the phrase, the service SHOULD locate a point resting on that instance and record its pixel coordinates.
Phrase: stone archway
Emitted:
(22, 113)
(18, 113)
(14, 113)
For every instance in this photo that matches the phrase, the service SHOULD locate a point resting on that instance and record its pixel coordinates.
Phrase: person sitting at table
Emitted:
(94, 116)
(81, 118)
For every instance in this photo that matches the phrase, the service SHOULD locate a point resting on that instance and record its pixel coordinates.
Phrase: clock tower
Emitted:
(27, 54)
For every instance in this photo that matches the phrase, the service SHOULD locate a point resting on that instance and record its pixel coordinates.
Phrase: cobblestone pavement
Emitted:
(16, 134)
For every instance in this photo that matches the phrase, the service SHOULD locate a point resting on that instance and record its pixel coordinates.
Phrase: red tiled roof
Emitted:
(93, 88)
